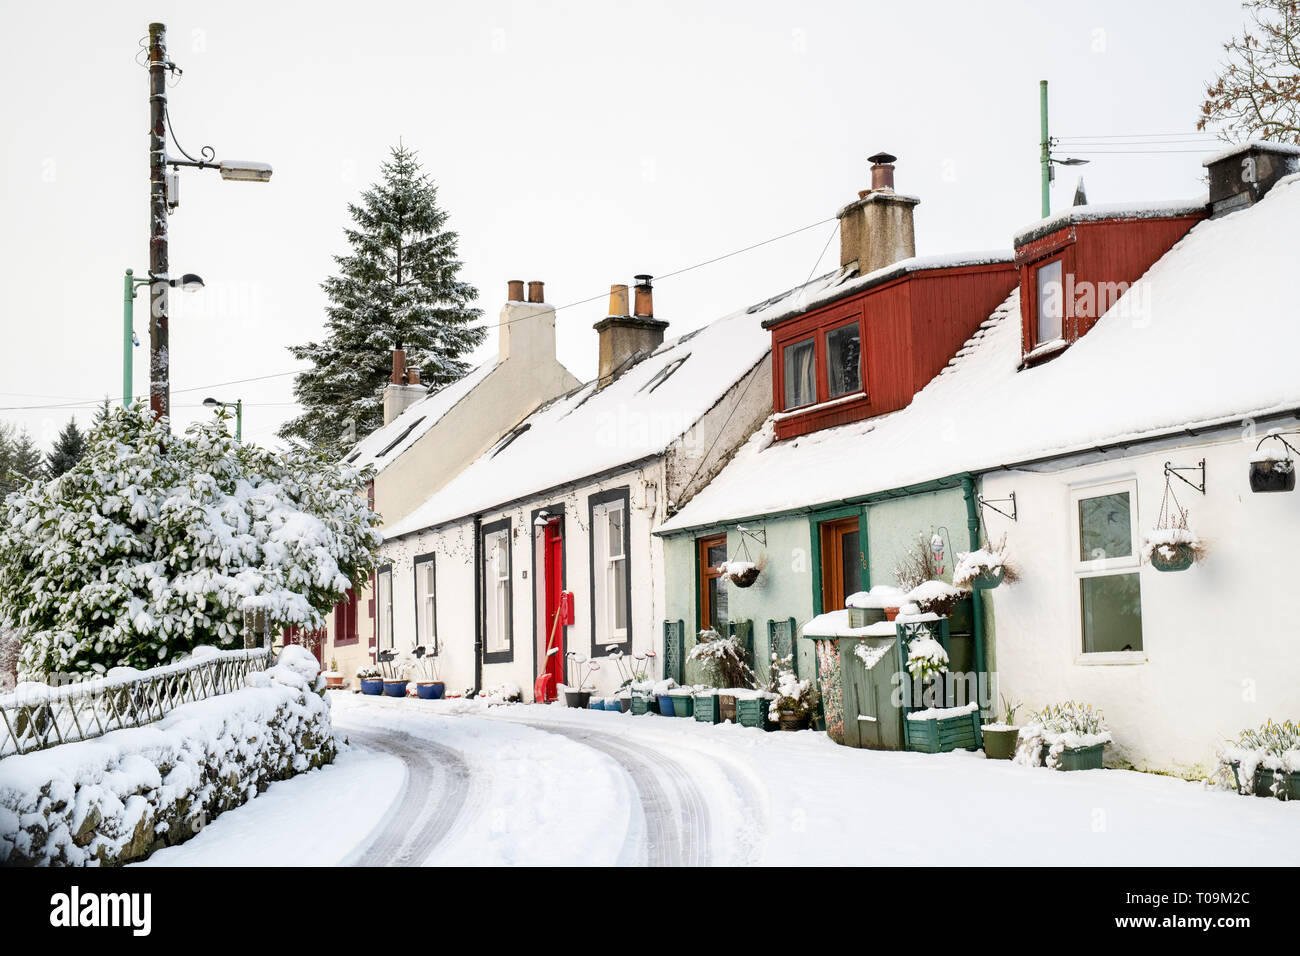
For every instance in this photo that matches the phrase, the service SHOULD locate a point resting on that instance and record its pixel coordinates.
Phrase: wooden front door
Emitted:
(841, 562)
(713, 583)
(553, 568)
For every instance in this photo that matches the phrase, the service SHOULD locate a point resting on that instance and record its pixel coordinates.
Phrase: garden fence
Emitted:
(36, 717)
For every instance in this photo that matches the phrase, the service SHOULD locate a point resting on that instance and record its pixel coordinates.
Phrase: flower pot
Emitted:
(1078, 758)
(891, 613)
(1000, 744)
(788, 721)
(683, 705)
(577, 698)
(395, 688)
(333, 681)
(595, 703)
(430, 689)
(374, 686)
(1288, 788)
(1273, 475)
(1172, 557)
(665, 705)
(987, 579)
(622, 704)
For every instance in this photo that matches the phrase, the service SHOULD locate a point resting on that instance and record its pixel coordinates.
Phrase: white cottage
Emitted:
(565, 502)
(1072, 428)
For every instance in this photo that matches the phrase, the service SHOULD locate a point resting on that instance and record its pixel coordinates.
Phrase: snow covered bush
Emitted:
(1274, 746)
(723, 659)
(794, 698)
(122, 796)
(9, 647)
(926, 658)
(1058, 727)
(155, 543)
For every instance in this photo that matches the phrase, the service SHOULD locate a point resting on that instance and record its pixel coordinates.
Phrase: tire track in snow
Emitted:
(676, 814)
(428, 807)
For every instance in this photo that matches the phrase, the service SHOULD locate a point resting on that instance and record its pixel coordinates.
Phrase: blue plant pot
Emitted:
(665, 705)
(432, 691)
(595, 704)
(374, 686)
(395, 688)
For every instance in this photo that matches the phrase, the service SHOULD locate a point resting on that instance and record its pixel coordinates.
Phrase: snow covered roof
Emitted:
(1095, 212)
(837, 285)
(591, 431)
(384, 445)
(1289, 149)
(1207, 335)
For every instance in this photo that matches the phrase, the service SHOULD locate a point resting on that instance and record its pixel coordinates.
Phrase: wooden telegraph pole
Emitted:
(159, 385)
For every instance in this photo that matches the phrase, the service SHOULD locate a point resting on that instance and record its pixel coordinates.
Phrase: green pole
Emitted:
(1045, 146)
(977, 598)
(128, 303)
(239, 420)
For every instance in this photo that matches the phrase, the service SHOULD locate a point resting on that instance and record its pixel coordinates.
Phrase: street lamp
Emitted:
(189, 282)
(160, 204)
(239, 414)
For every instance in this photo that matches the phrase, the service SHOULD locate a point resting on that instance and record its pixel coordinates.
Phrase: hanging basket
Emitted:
(987, 579)
(1173, 557)
(744, 577)
(1272, 474)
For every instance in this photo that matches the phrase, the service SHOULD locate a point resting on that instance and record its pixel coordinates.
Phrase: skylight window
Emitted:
(400, 438)
(663, 375)
(506, 442)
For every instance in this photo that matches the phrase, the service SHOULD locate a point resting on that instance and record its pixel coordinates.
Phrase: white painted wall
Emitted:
(1220, 639)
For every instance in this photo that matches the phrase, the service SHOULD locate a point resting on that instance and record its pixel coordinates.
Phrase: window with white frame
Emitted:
(384, 608)
(426, 605)
(1106, 566)
(496, 591)
(1050, 300)
(610, 584)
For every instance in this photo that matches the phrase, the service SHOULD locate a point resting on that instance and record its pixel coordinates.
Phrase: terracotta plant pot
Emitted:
(333, 681)
(891, 613)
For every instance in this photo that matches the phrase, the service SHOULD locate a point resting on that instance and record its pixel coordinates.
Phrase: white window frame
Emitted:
(606, 556)
(384, 609)
(426, 607)
(498, 599)
(1102, 567)
(1059, 263)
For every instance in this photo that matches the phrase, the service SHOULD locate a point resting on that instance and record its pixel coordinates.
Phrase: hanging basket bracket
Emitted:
(1175, 471)
(992, 505)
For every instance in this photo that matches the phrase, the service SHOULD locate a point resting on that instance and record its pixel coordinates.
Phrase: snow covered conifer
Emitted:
(398, 284)
(67, 450)
(155, 543)
(22, 461)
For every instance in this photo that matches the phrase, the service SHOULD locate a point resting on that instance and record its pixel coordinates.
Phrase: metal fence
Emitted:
(37, 717)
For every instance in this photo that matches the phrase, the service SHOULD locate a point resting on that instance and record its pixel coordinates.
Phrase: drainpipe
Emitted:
(977, 599)
(478, 605)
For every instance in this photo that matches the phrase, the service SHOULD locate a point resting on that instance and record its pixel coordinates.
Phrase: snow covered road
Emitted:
(548, 785)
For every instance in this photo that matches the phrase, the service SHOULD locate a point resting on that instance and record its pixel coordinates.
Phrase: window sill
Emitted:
(1041, 353)
(819, 406)
(1111, 658)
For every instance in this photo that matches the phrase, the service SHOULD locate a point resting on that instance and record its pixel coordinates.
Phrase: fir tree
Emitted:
(67, 450)
(102, 414)
(398, 284)
(25, 461)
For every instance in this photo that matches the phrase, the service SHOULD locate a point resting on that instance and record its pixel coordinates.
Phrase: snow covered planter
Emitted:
(372, 680)
(868, 607)
(743, 573)
(941, 729)
(1065, 736)
(1265, 762)
(935, 597)
(1172, 549)
(794, 700)
(1272, 469)
(1000, 738)
(124, 795)
(984, 569)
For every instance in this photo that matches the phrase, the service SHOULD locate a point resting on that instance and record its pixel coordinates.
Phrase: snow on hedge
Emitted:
(157, 543)
(121, 796)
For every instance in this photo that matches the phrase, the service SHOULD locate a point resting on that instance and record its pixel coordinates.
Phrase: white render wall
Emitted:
(453, 546)
(1219, 640)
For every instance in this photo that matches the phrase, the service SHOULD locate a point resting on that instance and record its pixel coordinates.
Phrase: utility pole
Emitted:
(1045, 147)
(159, 385)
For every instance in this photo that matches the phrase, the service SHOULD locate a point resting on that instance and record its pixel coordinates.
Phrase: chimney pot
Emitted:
(399, 365)
(536, 292)
(645, 303)
(618, 300)
(876, 229)
(515, 290)
(412, 376)
(882, 171)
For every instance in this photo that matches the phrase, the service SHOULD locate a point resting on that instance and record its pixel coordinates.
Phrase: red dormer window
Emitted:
(826, 364)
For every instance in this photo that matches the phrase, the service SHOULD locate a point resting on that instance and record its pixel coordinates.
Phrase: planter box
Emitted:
(1288, 789)
(430, 690)
(640, 705)
(665, 704)
(862, 616)
(752, 712)
(944, 734)
(683, 705)
(1078, 758)
(707, 709)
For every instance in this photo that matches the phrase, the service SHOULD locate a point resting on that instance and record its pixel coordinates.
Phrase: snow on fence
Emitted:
(37, 716)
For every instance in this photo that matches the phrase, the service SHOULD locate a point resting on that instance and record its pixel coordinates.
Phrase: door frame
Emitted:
(815, 523)
(702, 575)
(556, 511)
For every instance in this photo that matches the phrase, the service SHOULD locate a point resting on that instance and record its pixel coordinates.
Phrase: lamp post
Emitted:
(159, 205)
(186, 283)
(1045, 158)
(239, 414)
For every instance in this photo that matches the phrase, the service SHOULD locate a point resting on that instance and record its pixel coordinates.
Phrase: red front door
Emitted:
(554, 588)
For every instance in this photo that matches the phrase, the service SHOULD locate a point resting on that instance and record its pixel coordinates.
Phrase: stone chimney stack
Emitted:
(403, 389)
(527, 329)
(876, 230)
(1240, 176)
(624, 336)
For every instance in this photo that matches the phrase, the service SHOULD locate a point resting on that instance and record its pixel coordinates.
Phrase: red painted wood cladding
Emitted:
(910, 328)
(1097, 252)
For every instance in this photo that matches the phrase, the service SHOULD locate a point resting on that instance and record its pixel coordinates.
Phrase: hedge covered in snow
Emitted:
(122, 796)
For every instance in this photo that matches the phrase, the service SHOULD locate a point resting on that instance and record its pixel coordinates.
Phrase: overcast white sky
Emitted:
(577, 143)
